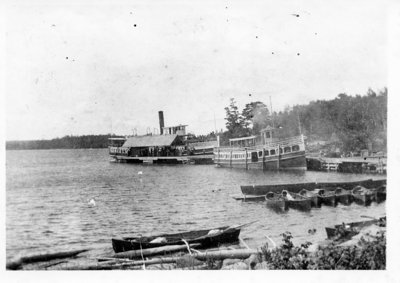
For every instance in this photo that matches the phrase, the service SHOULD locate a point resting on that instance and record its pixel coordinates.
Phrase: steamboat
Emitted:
(267, 151)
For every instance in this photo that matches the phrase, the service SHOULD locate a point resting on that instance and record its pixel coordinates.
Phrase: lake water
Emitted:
(47, 195)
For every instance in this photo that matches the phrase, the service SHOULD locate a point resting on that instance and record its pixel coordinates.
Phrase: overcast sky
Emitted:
(75, 69)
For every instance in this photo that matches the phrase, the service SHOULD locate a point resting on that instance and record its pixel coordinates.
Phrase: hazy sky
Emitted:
(99, 68)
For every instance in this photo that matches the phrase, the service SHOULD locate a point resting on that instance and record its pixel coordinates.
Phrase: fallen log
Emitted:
(220, 254)
(153, 251)
(223, 254)
(14, 265)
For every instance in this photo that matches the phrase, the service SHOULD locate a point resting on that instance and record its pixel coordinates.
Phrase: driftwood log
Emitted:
(14, 265)
(153, 251)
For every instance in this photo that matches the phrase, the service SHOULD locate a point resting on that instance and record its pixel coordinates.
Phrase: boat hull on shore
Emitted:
(350, 229)
(207, 238)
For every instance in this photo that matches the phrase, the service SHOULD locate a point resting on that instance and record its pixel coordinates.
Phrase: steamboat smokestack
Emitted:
(161, 119)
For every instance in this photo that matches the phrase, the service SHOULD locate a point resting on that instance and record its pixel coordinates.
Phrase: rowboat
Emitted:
(312, 196)
(326, 197)
(363, 196)
(276, 201)
(381, 193)
(297, 201)
(348, 230)
(207, 238)
(343, 196)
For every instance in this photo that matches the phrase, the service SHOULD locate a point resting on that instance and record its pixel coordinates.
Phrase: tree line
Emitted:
(353, 122)
(86, 141)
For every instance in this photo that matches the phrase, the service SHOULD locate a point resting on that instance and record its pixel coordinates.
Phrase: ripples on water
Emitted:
(48, 192)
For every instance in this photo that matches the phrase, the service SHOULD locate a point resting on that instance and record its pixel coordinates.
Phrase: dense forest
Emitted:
(352, 122)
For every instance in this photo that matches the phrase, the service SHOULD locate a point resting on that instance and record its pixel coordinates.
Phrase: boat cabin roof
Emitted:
(151, 140)
(243, 139)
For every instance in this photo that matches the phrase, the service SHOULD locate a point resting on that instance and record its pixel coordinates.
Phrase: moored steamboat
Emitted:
(268, 151)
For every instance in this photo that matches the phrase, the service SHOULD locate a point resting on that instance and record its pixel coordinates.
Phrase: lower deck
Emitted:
(188, 159)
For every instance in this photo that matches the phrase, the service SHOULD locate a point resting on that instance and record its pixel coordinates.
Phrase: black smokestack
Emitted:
(161, 119)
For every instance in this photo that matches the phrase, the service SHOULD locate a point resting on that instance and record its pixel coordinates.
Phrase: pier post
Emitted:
(246, 160)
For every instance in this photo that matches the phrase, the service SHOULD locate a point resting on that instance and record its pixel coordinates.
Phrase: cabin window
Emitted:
(266, 153)
(260, 154)
(287, 149)
(272, 151)
(295, 148)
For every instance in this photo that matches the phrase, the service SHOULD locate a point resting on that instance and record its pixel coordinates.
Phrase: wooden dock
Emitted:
(369, 165)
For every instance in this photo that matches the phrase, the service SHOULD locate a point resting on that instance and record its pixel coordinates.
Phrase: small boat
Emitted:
(348, 230)
(343, 196)
(276, 201)
(297, 201)
(363, 196)
(381, 193)
(207, 238)
(312, 196)
(246, 198)
(326, 197)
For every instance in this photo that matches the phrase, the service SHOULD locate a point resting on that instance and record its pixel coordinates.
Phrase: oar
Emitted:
(241, 226)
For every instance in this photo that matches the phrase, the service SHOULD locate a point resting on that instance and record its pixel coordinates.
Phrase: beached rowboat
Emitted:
(381, 193)
(347, 230)
(276, 201)
(343, 196)
(297, 201)
(363, 196)
(326, 197)
(312, 196)
(207, 238)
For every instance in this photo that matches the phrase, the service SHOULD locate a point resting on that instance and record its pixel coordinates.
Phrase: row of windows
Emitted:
(287, 149)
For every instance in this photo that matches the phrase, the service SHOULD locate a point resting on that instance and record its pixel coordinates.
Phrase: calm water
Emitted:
(48, 191)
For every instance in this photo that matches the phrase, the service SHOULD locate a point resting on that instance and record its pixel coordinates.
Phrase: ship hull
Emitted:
(295, 161)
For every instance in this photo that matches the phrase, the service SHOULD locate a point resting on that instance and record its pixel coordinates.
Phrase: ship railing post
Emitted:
(279, 157)
(246, 159)
(230, 160)
(263, 159)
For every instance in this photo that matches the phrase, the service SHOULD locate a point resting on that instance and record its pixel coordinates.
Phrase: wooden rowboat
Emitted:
(312, 196)
(207, 238)
(276, 201)
(297, 201)
(363, 196)
(348, 230)
(326, 197)
(343, 196)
